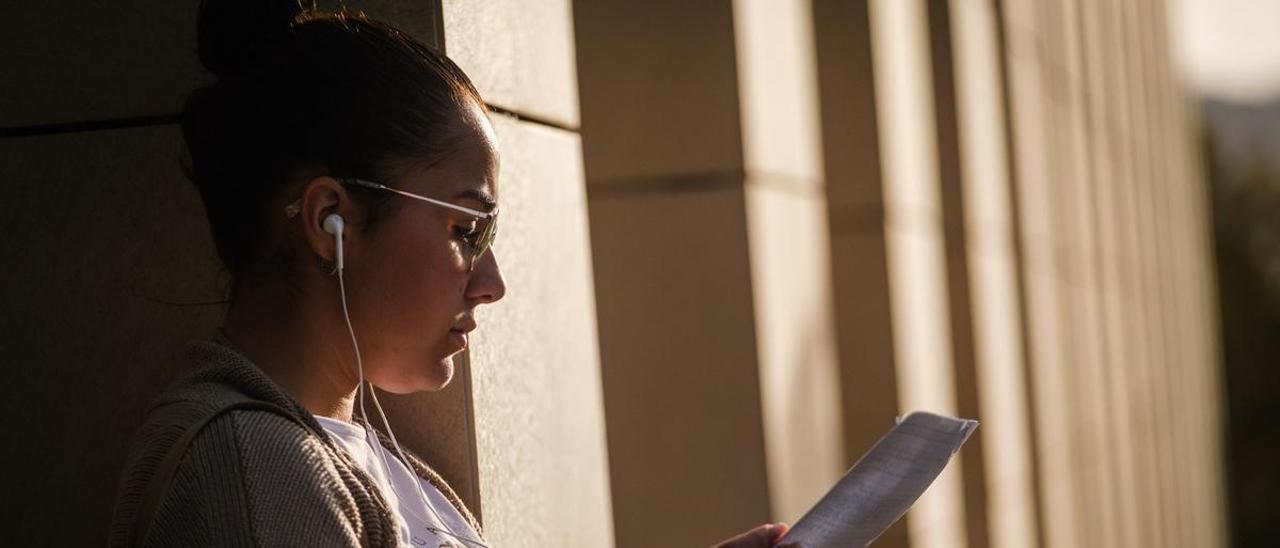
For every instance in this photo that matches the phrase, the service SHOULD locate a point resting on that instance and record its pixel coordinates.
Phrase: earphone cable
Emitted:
(342, 290)
(447, 530)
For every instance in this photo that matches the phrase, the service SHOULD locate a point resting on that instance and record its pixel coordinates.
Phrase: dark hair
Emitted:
(303, 93)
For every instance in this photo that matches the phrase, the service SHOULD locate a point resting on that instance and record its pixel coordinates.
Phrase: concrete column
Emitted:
(790, 247)
(855, 193)
(107, 257)
(109, 268)
(944, 68)
(1202, 383)
(1078, 278)
(1186, 410)
(537, 407)
(1119, 155)
(662, 150)
(1032, 81)
(1162, 315)
(916, 248)
(1180, 328)
(1110, 151)
(711, 257)
(1158, 280)
(992, 264)
(1136, 216)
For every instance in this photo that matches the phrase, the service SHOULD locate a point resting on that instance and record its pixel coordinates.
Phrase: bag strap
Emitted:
(168, 468)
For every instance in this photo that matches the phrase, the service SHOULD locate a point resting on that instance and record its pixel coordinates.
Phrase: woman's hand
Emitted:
(761, 537)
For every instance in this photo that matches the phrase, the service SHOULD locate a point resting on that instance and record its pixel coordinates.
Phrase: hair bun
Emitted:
(233, 34)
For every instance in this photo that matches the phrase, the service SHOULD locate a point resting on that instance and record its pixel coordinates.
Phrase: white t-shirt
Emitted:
(418, 526)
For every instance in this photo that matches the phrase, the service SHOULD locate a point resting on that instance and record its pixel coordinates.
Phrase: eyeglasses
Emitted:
(479, 239)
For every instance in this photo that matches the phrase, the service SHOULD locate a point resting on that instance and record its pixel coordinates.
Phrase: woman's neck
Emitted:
(296, 343)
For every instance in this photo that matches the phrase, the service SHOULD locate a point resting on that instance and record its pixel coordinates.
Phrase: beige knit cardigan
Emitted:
(251, 477)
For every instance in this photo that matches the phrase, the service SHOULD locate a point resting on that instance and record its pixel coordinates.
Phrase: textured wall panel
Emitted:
(70, 61)
(519, 53)
(659, 85)
(681, 374)
(795, 335)
(916, 248)
(101, 231)
(535, 361)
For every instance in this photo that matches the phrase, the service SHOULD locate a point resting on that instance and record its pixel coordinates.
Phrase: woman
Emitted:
(349, 175)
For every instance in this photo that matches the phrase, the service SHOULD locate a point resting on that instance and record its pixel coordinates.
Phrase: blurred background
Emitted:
(1229, 58)
(740, 238)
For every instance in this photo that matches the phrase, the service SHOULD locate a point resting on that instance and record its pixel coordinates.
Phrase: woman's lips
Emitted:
(458, 335)
(458, 338)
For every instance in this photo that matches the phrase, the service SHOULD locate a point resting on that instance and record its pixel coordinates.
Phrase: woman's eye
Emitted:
(465, 231)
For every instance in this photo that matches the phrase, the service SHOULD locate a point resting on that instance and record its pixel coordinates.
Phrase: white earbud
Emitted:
(333, 224)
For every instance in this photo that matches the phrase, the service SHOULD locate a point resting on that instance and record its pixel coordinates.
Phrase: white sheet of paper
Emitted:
(883, 484)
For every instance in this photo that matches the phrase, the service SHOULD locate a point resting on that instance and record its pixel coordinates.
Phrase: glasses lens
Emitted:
(488, 231)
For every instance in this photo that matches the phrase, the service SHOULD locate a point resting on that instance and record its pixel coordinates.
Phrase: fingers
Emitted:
(761, 537)
(780, 529)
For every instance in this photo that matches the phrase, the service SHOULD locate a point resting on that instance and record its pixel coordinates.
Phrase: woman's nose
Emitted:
(487, 284)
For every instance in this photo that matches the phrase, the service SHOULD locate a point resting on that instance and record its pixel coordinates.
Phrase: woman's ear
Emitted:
(321, 197)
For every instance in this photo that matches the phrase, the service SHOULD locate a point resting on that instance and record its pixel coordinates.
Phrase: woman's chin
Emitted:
(443, 373)
(435, 377)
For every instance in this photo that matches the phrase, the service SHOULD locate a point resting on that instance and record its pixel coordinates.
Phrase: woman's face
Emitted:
(411, 295)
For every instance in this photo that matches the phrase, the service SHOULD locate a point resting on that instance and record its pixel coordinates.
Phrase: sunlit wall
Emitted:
(1016, 230)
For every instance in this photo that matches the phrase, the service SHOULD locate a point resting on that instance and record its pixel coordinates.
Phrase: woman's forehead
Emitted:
(469, 170)
(475, 165)
(469, 167)
(480, 156)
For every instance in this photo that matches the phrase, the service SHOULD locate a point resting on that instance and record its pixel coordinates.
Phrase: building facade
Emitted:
(739, 238)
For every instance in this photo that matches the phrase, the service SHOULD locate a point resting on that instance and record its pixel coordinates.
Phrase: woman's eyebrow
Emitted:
(480, 196)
